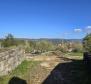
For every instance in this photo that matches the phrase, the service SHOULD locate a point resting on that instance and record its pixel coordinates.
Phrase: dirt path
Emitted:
(58, 70)
(40, 74)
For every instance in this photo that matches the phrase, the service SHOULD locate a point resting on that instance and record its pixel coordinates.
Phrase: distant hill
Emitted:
(55, 41)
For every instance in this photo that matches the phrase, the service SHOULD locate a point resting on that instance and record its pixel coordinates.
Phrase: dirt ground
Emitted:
(41, 72)
(54, 70)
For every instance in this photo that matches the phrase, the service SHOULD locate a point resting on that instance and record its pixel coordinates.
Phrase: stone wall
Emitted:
(10, 59)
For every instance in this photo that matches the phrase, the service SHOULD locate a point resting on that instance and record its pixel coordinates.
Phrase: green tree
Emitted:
(30, 46)
(87, 43)
(9, 41)
(44, 46)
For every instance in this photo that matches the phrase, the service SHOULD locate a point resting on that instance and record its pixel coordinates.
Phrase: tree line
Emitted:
(41, 45)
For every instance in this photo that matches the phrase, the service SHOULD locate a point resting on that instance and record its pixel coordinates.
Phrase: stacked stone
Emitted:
(10, 59)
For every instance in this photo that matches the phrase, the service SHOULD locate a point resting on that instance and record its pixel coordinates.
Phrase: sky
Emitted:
(68, 19)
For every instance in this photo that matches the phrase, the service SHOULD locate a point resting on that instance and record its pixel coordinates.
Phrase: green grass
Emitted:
(75, 54)
(22, 71)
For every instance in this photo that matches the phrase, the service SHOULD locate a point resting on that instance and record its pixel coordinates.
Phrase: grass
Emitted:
(22, 71)
(75, 54)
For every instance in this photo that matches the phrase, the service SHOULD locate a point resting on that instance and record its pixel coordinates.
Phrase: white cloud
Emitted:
(78, 30)
(88, 29)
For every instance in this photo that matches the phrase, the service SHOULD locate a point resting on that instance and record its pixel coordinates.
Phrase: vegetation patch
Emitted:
(22, 71)
(75, 54)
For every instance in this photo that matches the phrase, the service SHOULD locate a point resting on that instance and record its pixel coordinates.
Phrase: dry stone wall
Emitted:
(10, 59)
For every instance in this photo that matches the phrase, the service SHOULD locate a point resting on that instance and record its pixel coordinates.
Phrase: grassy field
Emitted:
(22, 71)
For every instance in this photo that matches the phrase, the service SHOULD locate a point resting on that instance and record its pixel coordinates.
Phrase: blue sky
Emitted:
(45, 18)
